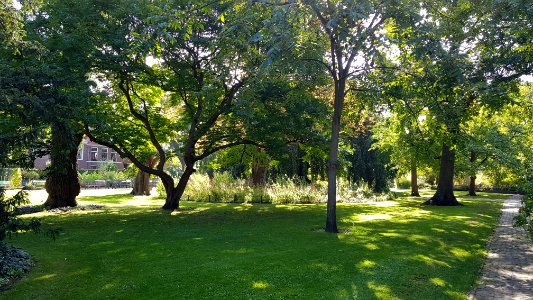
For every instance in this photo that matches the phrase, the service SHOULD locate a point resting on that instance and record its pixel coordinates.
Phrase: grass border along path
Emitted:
(131, 249)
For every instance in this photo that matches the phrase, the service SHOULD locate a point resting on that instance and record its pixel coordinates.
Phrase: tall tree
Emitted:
(205, 55)
(354, 31)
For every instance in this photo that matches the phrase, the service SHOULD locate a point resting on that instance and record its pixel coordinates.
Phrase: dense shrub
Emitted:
(403, 183)
(16, 178)
(13, 262)
(523, 219)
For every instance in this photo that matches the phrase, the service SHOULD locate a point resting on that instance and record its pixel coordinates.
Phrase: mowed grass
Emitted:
(133, 250)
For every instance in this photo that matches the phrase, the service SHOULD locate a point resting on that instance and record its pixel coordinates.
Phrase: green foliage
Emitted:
(403, 183)
(31, 174)
(107, 170)
(9, 222)
(524, 217)
(16, 178)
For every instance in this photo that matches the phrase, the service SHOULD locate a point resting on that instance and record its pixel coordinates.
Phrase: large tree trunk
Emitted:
(174, 194)
(141, 185)
(414, 179)
(444, 195)
(62, 183)
(259, 174)
(259, 168)
(472, 186)
(333, 160)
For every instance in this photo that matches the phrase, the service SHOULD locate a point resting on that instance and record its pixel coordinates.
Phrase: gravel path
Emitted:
(508, 270)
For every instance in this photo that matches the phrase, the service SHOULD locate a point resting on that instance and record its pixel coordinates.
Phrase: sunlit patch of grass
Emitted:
(366, 264)
(132, 249)
(438, 282)
(259, 285)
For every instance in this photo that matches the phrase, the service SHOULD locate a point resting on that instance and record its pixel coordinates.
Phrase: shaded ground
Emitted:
(508, 271)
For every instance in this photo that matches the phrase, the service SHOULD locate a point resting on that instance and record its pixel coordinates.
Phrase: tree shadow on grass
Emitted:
(261, 251)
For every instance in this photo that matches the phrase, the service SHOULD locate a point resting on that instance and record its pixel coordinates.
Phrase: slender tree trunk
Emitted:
(333, 161)
(174, 194)
(302, 166)
(472, 186)
(414, 179)
(444, 195)
(62, 183)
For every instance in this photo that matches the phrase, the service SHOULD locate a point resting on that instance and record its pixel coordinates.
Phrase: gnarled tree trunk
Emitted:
(141, 185)
(444, 195)
(174, 194)
(62, 183)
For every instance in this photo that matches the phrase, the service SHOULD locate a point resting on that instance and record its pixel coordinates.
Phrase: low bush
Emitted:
(403, 183)
(13, 262)
(523, 219)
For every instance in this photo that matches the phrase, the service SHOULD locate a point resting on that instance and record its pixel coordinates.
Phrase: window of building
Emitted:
(94, 154)
(104, 153)
(113, 156)
(80, 152)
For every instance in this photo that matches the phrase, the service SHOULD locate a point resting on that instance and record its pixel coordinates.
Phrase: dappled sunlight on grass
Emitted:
(374, 217)
(260, 285)
(461, 254)
(438, 281)
(240, 251)
(431, 262)
(45, 277)
(366, 264)
(382, 291)
(131, 248)
(188, 211)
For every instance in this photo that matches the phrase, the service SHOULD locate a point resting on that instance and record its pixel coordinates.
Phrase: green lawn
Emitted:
(133, 250)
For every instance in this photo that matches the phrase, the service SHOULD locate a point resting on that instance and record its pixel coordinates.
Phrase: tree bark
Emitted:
(302, 166)
(62, 183)
(333, 163)
(414, 179)
(259, 174)
(444, 195)
(472, 186)
(174, 194)
(141, 185)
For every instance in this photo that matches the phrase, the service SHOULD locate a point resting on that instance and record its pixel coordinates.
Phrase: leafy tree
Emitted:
(353, 31)
(194, 94)
(451, 78)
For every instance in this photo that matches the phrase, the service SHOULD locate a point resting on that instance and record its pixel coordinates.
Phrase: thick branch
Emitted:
(147, 125)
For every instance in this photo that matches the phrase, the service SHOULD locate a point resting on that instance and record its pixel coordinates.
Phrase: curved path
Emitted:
(508, 270)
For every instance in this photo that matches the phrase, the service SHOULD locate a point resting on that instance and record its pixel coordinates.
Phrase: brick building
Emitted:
(90, 156)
